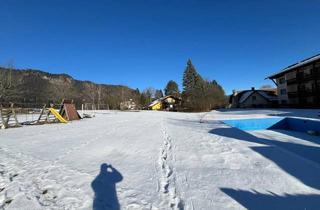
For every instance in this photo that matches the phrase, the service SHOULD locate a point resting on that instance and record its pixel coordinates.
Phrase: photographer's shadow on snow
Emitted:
(104, 187)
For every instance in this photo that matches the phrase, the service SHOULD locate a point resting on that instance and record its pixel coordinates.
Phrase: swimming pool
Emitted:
(287, 123)
(253, 124)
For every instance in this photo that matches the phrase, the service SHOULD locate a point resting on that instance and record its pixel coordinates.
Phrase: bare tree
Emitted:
(151, 91)
(6, 79)
(263, 87)
(92, 92)
(99, 96)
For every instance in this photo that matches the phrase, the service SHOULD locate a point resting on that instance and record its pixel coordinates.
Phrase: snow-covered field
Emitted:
(159, 160)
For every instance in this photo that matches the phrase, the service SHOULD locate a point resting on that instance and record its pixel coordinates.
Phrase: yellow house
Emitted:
(165, 103)
(156, 105)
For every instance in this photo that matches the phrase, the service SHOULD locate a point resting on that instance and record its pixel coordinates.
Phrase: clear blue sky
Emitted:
(145, 43)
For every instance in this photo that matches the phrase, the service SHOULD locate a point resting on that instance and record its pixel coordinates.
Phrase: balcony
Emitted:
(302, 77)
(292, 80)
(304, 92)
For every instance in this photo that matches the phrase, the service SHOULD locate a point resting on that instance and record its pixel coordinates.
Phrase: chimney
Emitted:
(252, 89)
(234, 92)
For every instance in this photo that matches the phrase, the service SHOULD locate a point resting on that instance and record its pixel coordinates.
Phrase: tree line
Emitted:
(33, 86)
(198, 94)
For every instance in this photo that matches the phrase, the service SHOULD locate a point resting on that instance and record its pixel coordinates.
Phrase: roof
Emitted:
(294, 66)
(244, 96)
(267, 94)
(163, 98)
(154, 102)
(271, 96)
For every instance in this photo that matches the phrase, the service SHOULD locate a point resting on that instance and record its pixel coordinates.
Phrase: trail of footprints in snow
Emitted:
(167, 179)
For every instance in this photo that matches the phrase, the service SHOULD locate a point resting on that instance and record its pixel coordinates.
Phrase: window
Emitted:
(283, 92)
(300, 74)
(291, 75)
(281, 80)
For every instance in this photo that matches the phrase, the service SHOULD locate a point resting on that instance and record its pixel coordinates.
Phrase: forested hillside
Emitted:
(36, 87)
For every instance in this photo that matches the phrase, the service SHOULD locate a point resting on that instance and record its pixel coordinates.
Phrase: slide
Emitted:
(57, 115)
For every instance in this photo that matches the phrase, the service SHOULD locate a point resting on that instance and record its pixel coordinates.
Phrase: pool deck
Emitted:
(229, 114)
(301, 141)
(296, 156)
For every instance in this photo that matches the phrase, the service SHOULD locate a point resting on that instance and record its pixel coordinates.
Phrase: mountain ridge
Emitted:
(38, 86)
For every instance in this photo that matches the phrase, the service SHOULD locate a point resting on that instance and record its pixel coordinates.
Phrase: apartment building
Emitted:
(298, 85)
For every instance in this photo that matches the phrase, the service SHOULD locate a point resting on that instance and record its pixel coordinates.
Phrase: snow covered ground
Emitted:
(159, 160)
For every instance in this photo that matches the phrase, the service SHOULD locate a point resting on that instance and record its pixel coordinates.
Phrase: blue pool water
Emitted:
(297, 124)
(253, 124)
(288, 123)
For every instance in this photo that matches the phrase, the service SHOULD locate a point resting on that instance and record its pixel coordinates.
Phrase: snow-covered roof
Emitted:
(269, 95)
(245, 96)
(161, 99)
(296, 65)
(155, 102)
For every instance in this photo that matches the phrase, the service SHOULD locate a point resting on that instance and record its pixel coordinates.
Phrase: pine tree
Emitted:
(145, 98)
(199, 94)
(193, 86)
(158, 94)
(191, 78)
(172, 89)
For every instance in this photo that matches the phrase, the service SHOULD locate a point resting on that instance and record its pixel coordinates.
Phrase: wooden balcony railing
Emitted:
(302, 77)
(304, 92)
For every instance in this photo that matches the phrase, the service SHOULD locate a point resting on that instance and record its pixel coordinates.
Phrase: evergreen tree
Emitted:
(158, 94)
(172, 89)
(191, 78)
(199, 94)
(193, 85)
(144, 101)
(214, 95)
(146, 97)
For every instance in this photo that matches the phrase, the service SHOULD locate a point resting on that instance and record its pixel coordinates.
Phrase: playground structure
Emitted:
(8, 117)
(12, 116)
(68, 110)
